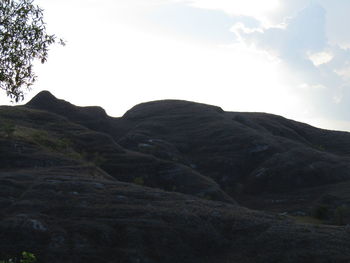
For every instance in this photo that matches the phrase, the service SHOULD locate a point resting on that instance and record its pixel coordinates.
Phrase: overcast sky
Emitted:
(287, 57)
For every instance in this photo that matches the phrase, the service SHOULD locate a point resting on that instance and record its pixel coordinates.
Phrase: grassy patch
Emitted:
(47, 141)
(42, 138)
(307, 220)
(139, 180)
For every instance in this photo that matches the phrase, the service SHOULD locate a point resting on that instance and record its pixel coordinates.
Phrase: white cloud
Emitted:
(337, 16)
(240, 27)
(275, 12)
(306, 86)
(320, 58)
(320, 69)
(343, 72)
(338, 21)
(254, 8)
(337, 99)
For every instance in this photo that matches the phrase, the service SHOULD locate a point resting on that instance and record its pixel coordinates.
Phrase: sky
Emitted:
(286, 57)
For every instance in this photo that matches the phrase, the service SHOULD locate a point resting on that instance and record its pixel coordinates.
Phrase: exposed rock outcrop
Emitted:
(160, 184)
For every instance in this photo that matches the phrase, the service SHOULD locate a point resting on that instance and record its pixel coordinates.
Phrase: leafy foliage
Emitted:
(26, 258)
(23, 39)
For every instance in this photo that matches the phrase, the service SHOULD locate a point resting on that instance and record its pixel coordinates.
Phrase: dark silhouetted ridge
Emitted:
(169, 108)
(44, 100)
(93, 117)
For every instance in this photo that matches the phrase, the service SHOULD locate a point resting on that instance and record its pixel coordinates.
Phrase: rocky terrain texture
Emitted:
(170, 181)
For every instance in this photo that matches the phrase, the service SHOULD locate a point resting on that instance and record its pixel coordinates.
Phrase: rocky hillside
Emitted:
(170, 181)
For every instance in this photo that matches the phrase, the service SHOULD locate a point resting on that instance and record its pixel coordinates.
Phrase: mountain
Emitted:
(170, 181)
(259, 159)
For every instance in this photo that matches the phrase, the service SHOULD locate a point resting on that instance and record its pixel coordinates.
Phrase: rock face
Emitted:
(170, 181)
